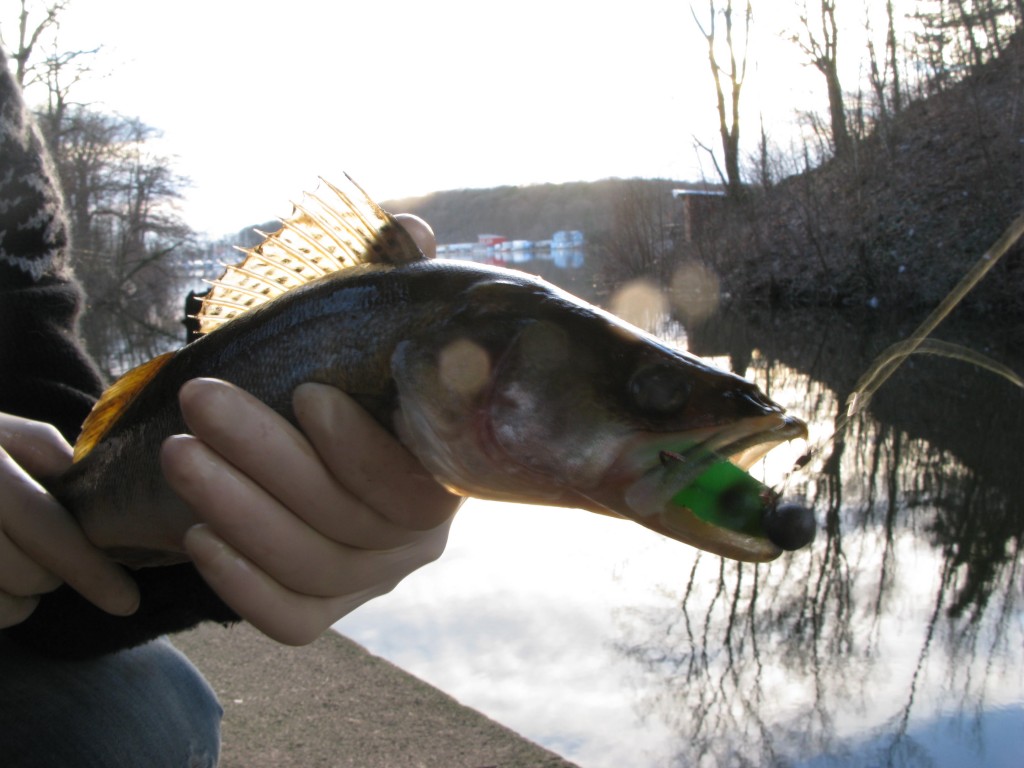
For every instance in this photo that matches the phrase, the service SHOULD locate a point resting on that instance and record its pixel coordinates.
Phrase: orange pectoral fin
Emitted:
(111, 405)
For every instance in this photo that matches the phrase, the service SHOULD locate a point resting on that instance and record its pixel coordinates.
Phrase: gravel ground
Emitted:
(332, 703)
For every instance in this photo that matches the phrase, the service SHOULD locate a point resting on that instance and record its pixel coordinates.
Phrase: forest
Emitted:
(902, 178)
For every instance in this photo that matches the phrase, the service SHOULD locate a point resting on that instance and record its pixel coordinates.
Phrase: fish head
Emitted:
(532, 395)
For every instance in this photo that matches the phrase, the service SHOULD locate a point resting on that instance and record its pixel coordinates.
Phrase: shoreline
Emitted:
(333, 703)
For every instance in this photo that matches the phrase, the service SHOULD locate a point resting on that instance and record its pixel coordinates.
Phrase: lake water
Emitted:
(896, 639)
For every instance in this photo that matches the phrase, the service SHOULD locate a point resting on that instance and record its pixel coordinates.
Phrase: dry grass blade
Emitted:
(886, 364)
(883, 368)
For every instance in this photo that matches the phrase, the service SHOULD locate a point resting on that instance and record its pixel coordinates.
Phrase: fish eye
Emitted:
(659, 389)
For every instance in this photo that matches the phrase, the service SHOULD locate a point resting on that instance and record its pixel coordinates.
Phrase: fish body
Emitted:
(503, 386)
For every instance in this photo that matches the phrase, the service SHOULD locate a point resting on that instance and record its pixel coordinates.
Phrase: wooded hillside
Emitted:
(899, 221)
(526, 213)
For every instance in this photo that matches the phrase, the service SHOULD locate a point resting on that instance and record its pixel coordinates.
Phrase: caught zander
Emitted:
(503, 386)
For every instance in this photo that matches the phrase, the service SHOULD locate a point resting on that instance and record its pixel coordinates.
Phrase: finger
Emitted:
(14, 609)
(360, 453)
(421, 233)
(253, 521)
(20, 575)
(267, 533)
(38, 447)
(50, 538)
(280, 613)
(267, 448)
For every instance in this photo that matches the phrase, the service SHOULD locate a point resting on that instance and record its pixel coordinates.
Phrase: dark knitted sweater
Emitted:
(46, 375)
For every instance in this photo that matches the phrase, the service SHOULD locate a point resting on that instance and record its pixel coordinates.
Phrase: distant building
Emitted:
(565, 249)
(571, 238)
(489, 241)
(694, 209)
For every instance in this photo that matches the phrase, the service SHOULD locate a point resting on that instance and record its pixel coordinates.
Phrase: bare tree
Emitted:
(56, 71)
(822, 46)
(29, 34)
(127, 239)
(638, 242)
(728, 103)
(884, 75)
(891, 50)
(765, 177)
(958, 37)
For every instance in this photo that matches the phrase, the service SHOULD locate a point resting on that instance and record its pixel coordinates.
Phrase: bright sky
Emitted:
(257, 99)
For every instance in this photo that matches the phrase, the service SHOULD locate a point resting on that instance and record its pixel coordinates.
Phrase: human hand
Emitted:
(41, 544)
(300, 528)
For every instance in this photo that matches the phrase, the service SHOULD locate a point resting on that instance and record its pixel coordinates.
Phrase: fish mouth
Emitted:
(693, 487)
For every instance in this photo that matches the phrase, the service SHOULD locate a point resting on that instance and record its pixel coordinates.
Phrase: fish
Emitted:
(504, 386)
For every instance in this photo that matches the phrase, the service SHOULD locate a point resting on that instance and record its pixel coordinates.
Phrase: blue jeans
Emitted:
(147, 706)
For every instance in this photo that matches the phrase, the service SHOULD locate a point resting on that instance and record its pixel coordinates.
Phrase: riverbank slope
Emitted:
(898, 221)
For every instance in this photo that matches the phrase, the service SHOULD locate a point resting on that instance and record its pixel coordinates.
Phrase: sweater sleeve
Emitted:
(45, 373)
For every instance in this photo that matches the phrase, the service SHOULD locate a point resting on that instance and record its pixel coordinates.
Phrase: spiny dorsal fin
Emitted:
(329, 231)
(111, 405)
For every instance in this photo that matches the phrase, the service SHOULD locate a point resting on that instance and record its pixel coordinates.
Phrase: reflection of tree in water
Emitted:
(904, 610)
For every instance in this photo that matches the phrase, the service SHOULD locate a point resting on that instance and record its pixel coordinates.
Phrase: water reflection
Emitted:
(894, 640)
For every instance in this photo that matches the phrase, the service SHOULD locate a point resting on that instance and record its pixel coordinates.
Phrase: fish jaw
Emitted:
(657, 477)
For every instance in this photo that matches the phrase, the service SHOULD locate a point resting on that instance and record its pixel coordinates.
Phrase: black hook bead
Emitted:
(789, 525)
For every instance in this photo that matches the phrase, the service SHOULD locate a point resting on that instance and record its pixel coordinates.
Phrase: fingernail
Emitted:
(318, 404)
(120, 597)
(128, 600)
(203, 545)
(205, 398)
(187, 463)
